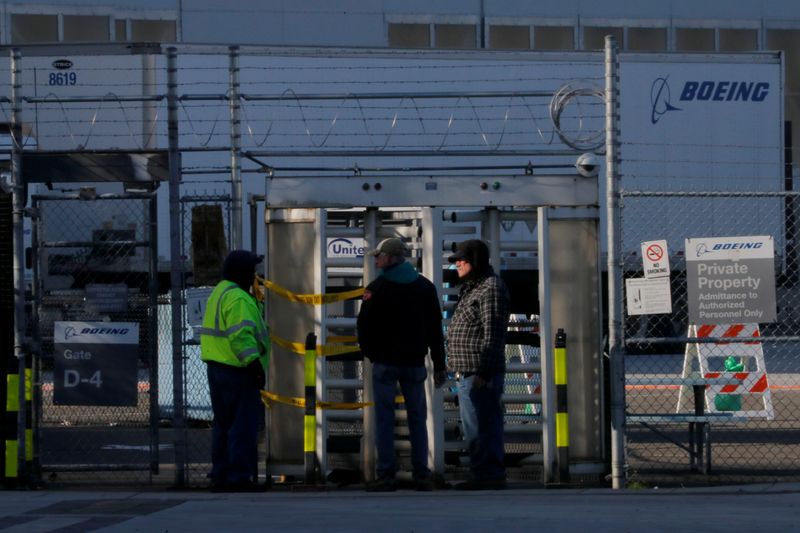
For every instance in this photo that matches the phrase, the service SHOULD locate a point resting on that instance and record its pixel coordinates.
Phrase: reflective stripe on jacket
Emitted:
(233, 332)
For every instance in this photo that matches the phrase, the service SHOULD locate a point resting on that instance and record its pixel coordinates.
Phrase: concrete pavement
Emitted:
(774, 507)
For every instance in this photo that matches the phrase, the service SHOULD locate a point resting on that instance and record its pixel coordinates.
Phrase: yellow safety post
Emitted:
(10, 426)
(310, 418)
(562, 416)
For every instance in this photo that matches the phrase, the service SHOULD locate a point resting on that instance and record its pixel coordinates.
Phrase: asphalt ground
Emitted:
(756, 451)
(738, 508)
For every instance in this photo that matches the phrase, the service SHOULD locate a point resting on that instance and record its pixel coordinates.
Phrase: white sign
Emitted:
(196, 299)
(96, 332)
(730, 248)
(345, 247)
(648, 296)
(655, 259)
(731, 280)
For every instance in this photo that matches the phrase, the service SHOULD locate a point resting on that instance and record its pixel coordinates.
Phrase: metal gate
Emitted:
(94, 264)
(297, 223)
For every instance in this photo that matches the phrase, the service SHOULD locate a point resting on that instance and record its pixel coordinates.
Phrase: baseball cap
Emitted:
(390, 246)
(242, 259)
(471, 251)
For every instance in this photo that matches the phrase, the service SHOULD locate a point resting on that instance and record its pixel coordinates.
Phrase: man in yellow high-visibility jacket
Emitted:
(234, 343)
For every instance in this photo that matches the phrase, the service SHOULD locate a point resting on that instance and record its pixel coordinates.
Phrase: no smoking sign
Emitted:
(655, 259)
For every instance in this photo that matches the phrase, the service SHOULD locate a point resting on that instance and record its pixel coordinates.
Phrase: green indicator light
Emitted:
(496, 185)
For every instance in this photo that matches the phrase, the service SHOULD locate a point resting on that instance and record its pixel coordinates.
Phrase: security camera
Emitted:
(588, 165)
(6, 184)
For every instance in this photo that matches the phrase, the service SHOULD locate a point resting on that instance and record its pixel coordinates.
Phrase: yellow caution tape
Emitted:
(336, 349)
(323, 350)
(311, 299)
(270, 397)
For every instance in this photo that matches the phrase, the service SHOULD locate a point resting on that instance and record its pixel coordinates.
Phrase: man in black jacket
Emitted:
(400, 320)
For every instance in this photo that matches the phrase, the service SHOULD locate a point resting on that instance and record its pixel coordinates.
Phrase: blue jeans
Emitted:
(482, 423)
(384, 387)
(236, 403)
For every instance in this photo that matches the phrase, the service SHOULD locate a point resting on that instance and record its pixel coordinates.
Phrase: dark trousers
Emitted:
(384, 385)
(482, 422)
(236, 403)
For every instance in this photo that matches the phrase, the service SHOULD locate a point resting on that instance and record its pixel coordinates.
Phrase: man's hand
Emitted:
(257, 371)
(439, 378)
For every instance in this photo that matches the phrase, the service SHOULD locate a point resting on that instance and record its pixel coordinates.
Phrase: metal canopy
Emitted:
(426, 191)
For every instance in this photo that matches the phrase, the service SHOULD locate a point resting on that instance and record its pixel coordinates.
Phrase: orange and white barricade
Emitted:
(750, 383)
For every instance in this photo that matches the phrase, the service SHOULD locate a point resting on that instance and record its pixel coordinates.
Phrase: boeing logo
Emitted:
(737, 246)
(70, 332)
(660, 99)
(702, 249)
(704, 91)
(725, 91)
(104, 331)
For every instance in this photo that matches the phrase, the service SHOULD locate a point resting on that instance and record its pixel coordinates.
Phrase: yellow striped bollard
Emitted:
(310, 418)
(562, 416)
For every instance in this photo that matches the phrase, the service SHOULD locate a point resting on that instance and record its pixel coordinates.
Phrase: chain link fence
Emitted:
(751, 425)
(93, 266)
(205, 239)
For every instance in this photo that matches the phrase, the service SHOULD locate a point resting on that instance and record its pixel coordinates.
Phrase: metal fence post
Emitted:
(18, 202)
(176, 268)
(546, 348)
(614, 268)
(152, 338)
(236, 142)
(368, 459)
(432, 268)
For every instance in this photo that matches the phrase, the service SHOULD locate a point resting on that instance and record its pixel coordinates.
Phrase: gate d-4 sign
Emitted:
(655, 259)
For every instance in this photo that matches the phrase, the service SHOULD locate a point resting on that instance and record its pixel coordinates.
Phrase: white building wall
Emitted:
(363, 22)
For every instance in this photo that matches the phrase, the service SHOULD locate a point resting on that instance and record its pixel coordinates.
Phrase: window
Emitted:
(455, 35)
(34, 29)
(85, 28)
(789, 42)
(120, 30)
(554, 37)
(409, 36)
(509, 37)
(695, 39)
(647, 39)
(738, 40)
(153, 30)
(594, 38)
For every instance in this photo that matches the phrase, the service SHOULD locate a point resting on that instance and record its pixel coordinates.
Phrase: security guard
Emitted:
(234, 343)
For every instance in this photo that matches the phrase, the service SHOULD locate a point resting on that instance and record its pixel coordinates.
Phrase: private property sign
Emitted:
(730, 280)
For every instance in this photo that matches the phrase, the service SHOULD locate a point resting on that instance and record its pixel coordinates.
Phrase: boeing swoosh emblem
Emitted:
(70, 332)
(660, 99)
